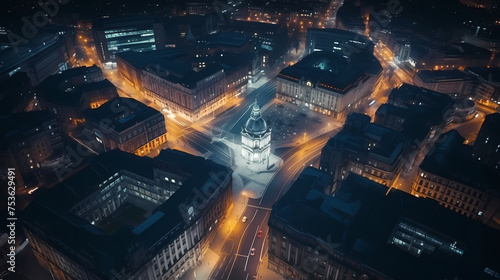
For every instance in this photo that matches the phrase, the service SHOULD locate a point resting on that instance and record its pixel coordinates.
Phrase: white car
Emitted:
(244, 219)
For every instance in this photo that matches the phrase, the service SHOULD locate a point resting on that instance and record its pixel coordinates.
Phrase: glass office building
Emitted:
(128, 39)
(121, 34)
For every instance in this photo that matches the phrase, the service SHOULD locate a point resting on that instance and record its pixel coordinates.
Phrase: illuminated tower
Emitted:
(255, 137)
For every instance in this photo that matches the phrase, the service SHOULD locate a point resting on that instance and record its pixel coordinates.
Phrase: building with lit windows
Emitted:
(486, 87)
(46, 53)
(192, 87)
(128, 125)
(31, 142)
(269, 40)
(268, 13)
(365, 233)
(367, 149)
(330, 83)
(450, 175)
(200, 7)
(417, 112)
(255, 137)
(487, 144)
(428, 56)
(182, 31)
(336, 40)
(129, 217)
(72, 91)
(349, 17)
(127, 33)
(453, 82)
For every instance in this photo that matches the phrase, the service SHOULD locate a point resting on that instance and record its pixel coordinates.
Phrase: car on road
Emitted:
(252, 252)
(259, 234)
(244, 219)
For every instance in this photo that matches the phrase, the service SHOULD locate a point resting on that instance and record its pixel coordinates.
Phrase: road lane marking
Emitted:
(264, 241)
(81, 143)
(241, 239)
(205, 144)
(293, 174)
(251, 246)
(313, 146)
(228, 130)
(259, 207)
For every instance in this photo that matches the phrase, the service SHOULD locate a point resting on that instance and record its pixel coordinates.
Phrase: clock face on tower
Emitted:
(309, 84)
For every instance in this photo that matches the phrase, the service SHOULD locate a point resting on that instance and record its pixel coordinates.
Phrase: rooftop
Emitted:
(232, 39)
(375, 141)
(452, 159)
(14, 91)
(72, 96)
(176, 66)
(413, 126)
(14, 126)
(256, 26)
(137, 20)
(491, 75)
(122, 247)
(13, 57)
(255, 125)
(429, 76)
(423, 101)
(341, 32)
(120, 114)
(333, 71)
(363, 223)
(422, 48)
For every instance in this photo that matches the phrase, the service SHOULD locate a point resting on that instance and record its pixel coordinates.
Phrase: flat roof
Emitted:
(371, 221)
(114, 22)
(176, 65)
(14, 57)
(436, 76)
(488, 74)
(119, 119)
(56, 95)
(452, 159)
(333, 71)
(370, 139)
(13, 126)
(233, 39)
(111, 251)
(427, 102)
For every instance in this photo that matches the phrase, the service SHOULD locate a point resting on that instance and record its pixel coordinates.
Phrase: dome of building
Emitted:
(256, 124)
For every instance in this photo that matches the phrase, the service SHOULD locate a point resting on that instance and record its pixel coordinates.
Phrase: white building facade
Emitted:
(255, 137)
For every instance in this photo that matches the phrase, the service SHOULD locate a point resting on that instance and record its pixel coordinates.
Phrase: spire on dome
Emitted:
(255, 110)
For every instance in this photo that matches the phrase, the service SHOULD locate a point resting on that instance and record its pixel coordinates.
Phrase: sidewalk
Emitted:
(253, 86)
(214, 253)
(203, 270)
(265, 273)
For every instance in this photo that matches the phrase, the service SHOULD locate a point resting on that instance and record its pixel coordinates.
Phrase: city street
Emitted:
(232, 120)
(298, 138)
(239, 263)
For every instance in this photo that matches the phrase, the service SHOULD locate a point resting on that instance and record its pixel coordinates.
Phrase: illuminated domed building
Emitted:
(255, 137)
